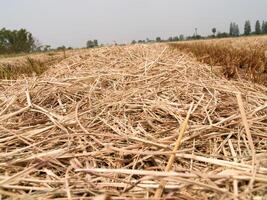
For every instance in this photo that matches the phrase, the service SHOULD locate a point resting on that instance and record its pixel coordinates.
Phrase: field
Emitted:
(245, 57)
(135, 122)
(13, 67)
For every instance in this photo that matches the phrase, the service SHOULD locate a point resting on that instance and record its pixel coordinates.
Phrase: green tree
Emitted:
(258, 27)
(231, 29)
(247, 28)
(236, 30)
(214, 31)
(63, 48)
(264, 27)
(16, 41)
(133, 42)
(158, 39)
(141, 41)
(95, 43)
(222, 35)
(181, 37)
(90, 44)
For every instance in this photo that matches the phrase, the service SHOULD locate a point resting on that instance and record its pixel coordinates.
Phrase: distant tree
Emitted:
(133, 42)
(222, 35)
(247, 28)
(61, 48)
(46, 48)
(176, 38)
(95, 43)
(16, 41)
(141, 41)
(198, 37)
(181, 37)
(91, 43)
(231, 30)
(258, 27)
(236, 30)
(37, 47)
(264, 27)
(148, 40)
(214, 31)
(170, 39)
(158, 39)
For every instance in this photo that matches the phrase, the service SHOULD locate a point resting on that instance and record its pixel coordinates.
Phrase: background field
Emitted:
(245, 56)
(107, 121)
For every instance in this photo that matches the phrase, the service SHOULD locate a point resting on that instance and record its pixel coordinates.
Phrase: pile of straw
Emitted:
(133, 122)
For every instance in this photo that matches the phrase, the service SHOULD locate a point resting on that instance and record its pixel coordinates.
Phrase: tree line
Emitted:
(22, 41)
(234, 31)
(18, 41)
(260, 28)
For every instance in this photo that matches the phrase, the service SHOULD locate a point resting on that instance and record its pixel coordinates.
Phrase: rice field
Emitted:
(134, 122)
(14, 67)
(246, 57)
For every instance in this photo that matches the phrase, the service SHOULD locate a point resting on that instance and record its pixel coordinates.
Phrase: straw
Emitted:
(111, 122)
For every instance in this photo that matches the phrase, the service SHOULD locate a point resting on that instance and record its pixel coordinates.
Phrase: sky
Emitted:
(73, 22)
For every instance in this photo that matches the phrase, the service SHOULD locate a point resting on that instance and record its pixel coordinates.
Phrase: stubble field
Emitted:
(135, 122)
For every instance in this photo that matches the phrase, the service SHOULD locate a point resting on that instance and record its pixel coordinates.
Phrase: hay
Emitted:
(106, 122)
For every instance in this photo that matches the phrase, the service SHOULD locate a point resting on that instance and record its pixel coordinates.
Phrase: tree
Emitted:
(247, 28)
(148, 40)
(264, 27)
(158, 39)
(258, 27)
(214, 31)
(234, 30)
(16, 41)
(47, 48)
(91, 43)
(181, 37)
(61, 48)
(95, 43)
(170, 39)
(133, 42)
(231, 29)
(176, 38)
(222, 35)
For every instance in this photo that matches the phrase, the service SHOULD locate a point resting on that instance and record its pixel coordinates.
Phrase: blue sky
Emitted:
(73, 22)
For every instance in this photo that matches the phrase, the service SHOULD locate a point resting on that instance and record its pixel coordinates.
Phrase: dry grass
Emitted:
(14, 67)
(108, 121)
(243, 56)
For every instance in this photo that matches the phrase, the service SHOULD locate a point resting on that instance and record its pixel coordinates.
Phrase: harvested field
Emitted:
(133, 122)
(31, 64)
(245, 57)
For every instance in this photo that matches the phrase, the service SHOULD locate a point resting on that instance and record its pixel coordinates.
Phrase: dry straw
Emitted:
(104, 123)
